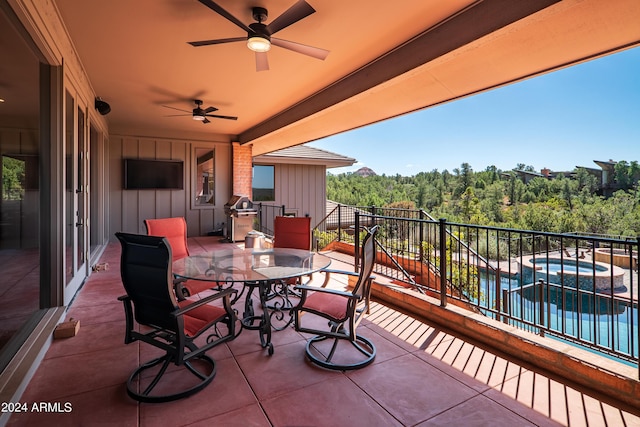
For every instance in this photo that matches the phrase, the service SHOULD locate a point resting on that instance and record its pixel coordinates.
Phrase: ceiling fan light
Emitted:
(258, 43)
(198, 118)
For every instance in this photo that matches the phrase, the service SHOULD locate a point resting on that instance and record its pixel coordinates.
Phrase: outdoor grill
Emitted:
(240, 214)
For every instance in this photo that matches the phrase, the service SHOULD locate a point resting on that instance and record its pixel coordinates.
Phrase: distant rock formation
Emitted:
(365, 172)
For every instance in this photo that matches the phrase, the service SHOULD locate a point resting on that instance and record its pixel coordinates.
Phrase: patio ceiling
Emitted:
(386, 58)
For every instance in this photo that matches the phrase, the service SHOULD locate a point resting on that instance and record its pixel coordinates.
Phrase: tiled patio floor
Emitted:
(421, 376)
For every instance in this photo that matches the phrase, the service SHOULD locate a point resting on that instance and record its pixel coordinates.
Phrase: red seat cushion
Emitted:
(329, 304)
(199, 318)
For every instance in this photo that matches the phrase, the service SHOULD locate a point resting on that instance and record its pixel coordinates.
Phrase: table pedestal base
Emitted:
(267, 291)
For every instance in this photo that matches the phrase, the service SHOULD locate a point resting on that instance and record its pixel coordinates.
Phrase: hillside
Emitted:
(365, 171)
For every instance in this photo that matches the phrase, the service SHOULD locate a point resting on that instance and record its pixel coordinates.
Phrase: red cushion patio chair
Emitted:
(292, 232)
(175, 230)
(156, 317)
(344, 311)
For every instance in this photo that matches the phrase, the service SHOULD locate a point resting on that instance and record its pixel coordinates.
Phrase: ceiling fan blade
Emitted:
(315, 52)
(295, 13)
(170, 97)
(219, 10)
(179, 109)
(218, 41)
(209, 110)
(178, 115)
(262, 61)
(222, 117)
(205, 121)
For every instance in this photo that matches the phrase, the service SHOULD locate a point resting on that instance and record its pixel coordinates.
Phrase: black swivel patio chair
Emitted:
(342, 312)
(156, 317)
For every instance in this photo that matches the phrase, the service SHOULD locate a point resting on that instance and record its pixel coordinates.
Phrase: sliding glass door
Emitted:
(76, 191)
(21, 189)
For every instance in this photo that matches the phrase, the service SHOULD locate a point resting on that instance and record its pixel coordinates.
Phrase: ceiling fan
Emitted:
(199, 113)
(259, 36)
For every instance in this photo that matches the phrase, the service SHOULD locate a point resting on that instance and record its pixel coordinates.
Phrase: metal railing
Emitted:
(578, 288)
(266, 216)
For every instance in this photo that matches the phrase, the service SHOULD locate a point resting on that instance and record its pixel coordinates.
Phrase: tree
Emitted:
(13, 176)
(621, 172)
(469, 204)
(562, 204)
(492, 205)
(586, 180)
(515, 188)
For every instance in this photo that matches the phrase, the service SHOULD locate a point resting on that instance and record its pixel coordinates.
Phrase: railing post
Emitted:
(284, 210)
(339, 222)
(498, 290)
(356, 242)
(541, 296)
(443, 262)
(421, 237)
(421, 241)
(260, 216)
(506, 302)
(637, 298)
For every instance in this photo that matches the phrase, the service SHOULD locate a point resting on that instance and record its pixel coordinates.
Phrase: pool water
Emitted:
(558, 266)
(594, 319)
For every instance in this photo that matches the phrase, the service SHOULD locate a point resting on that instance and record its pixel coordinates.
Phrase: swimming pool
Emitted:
(590, 320)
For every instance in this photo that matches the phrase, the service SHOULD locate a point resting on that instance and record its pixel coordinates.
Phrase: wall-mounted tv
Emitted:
(141, 174)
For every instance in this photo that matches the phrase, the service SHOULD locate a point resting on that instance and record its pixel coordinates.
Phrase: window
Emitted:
(204, 177)
(263, 186)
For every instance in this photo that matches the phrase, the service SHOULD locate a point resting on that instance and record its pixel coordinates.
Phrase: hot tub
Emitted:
(572, 273)
(620, 257)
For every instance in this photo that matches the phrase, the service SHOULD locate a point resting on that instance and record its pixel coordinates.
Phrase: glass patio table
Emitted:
(267, 270)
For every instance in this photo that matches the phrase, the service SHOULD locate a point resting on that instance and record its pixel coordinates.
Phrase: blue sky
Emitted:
(560, 120)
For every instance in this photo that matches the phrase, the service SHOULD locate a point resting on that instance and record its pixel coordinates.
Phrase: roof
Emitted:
(606, 165)
(304, 154)
(385, 59)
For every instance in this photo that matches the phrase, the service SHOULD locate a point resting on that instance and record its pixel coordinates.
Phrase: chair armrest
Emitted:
(325, 290)
(222, 294)
(328, 272)
(347, 273)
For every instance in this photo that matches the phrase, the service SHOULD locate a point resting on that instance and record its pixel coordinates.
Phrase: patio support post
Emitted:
(443, 262)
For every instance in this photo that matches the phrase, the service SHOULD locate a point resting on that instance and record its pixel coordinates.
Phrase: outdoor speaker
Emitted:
(102, 107)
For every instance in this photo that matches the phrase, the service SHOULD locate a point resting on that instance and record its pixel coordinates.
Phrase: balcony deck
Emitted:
(421, 376)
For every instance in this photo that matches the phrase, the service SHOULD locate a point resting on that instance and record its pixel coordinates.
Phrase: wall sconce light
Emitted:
(102, 107)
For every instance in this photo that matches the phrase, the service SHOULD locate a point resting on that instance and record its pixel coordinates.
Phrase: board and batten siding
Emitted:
(129, 208)
(302, 189)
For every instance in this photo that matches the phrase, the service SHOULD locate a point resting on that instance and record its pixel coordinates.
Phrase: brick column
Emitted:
(242, 169)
